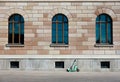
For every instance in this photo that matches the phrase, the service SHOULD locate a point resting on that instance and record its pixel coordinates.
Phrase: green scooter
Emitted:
(73, 67)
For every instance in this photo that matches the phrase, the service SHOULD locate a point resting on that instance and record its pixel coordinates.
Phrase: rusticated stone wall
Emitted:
(38, 15)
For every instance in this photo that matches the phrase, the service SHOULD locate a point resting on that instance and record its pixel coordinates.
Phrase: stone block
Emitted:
(82, 31)
(30, 35)
(2, 15)
(118, 52)
(40, 31)
(22, 52)
(110, 52)
(82, 15)
(109, 3)
(47, 31)
(43, 52)
(43, 43)
(98, 3)
(65, 51)
(88, 43)
(37, 15)
(43, 4)
(31, 52)
(65, 4)
(87, 3)
(99, 52)
(37, 7)
(89, 52)
(81, 7)
(38, 23)
(22, 4)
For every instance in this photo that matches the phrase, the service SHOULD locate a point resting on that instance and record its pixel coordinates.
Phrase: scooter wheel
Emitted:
(78, 70)
(67, 70)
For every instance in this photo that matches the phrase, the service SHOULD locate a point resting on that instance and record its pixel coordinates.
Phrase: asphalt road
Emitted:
(44, 76)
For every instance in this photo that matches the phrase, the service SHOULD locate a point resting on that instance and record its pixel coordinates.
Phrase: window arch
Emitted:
(60, 29)
(16, 29)
(104, 29)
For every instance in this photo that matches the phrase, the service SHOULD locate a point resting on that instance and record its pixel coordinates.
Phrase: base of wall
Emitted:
(61, 64)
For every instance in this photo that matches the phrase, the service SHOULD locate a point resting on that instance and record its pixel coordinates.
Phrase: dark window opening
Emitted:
(105, 64)
(14, 64)
(59, 64)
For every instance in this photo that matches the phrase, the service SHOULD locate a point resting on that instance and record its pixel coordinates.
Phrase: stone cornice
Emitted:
(58, 0)
(60, 56)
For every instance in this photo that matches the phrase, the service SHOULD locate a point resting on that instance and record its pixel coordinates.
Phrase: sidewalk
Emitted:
(58, 76)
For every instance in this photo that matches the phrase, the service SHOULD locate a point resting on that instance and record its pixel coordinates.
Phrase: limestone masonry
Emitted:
(81, 16)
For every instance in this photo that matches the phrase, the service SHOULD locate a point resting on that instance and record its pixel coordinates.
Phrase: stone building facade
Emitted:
(38, 52)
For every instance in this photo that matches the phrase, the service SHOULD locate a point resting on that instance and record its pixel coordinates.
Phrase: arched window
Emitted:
(59, 29)
(16, 30)
(104, 29)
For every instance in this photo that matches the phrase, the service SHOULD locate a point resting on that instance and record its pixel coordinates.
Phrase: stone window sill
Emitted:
(14, 45)
(103, 45)
(58, 45)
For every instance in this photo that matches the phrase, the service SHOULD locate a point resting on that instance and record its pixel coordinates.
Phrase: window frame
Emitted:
(100, 31)
(57, 22)
(11, 38)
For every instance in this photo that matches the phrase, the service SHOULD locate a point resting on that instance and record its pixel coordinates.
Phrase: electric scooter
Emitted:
(73, 67)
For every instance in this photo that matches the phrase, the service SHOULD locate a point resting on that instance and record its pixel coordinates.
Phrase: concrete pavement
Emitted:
(45, 76)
